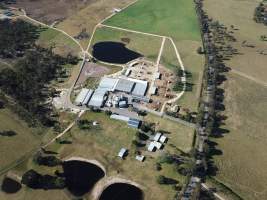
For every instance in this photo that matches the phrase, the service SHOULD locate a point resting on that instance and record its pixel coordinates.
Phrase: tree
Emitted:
(164, 180)
(32, 179)
(200, 50)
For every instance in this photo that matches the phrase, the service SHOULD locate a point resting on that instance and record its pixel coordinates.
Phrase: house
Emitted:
(140, 158)
(123, 152)
(151, 147)
(163, 139)
(157, 137)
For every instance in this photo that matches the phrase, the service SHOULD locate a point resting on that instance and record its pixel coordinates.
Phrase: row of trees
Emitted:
(260, 14)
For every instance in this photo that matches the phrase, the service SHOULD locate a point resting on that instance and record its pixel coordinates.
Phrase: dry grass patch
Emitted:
(241, 167)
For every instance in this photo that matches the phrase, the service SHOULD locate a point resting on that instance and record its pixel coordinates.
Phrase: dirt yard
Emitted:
(92, 70)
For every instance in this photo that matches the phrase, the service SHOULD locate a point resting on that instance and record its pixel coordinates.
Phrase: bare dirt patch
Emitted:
(92, 70)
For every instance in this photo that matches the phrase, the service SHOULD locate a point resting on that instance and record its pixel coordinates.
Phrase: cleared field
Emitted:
(103, 144)
(241, 166)
(88, 17)
(173, 18)
(181, 136)
(12, 148)
(143, 44)
(232, 12)
(176, 19)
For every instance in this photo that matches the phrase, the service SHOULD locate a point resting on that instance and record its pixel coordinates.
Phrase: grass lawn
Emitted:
(13, 148)
(243, 160)
(179, 135)
(145, 45)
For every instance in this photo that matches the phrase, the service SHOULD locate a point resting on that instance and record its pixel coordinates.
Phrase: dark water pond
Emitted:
(114, 52)
(122, 191)
(10, 186)
(81, 176)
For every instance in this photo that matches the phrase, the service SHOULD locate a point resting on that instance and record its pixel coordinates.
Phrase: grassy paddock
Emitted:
(181, 136)
(146, 45)
(12, 148)
(241, 165)
(174, 18)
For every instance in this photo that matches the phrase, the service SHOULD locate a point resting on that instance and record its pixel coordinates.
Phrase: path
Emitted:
(160, 51)
(249, 77)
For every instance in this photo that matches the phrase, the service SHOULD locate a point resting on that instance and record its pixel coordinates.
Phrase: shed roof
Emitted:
(125, 85)
(140, 158)
(81, 96)
(135, 123)
(108, 83)
(163, 139)
(151, 147)
(157, 136)
(122, 152)
(98, 98)
(140, 88)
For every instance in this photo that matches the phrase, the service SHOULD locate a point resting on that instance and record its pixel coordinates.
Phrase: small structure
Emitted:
(122, 153)
(158, 145)
(157, 75)
(157, 137)
(151, 147)
(140, 158)
(123, 104)
(128, 72)
(140, 88)
(153, 90)
(163, 139)
(95, 123)
(134, 123)
(119, 117)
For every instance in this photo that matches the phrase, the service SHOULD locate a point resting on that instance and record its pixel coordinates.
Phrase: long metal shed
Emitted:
(81, 97)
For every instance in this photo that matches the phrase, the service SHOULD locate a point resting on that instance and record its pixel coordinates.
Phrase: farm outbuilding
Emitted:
(122, 153)
(98, 98)
(81, 98)
(108, 84)
(134, 123)
(140, 88)
(124, 85)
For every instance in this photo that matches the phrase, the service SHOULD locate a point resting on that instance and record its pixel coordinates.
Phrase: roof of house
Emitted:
(157, 136)
(140, 158)
(151, 146)
(163, 139)
(122, 152)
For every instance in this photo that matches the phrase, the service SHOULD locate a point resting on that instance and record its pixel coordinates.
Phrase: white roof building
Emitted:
(151, 147)
(98, 98)
(122, 152)
(163, 139)
(158, 145)
(140, 158)
(108, 84)
(81, 96)
(119, 117)
(157, 137)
